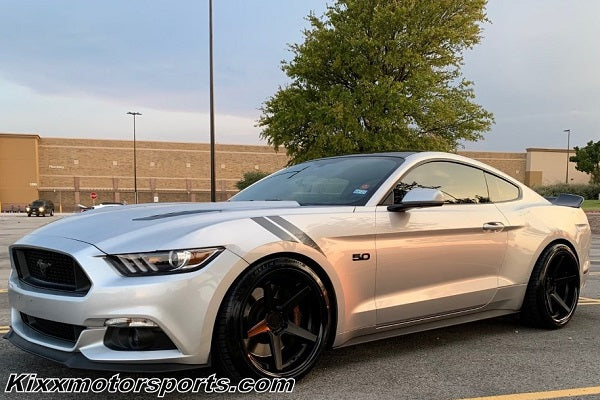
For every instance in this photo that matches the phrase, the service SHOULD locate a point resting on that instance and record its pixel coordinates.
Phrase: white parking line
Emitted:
(586, 301)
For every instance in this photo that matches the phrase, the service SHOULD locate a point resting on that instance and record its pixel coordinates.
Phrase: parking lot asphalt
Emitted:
(496, 359)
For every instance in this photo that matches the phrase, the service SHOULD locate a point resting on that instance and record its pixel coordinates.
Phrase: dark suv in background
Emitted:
(40, 207)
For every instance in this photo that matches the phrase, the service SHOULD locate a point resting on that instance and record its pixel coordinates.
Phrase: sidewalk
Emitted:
(595, 250)
(594, 220)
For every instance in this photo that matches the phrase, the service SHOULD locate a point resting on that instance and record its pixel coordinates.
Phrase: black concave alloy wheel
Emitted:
(561, 287)
(553, 290)
(276, 321)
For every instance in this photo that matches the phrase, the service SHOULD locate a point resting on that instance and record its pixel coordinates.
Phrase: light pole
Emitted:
(212, 106)
(134, 158)
(568, 148)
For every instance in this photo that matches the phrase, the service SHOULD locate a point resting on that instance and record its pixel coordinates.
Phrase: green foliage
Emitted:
(249, 178)
(589, 192)
(379, 75)
(591, 205)
(588, 160)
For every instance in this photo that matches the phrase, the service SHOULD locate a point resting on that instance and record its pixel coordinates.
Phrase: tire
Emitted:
(553, 289)
(29, 215)
(51, 213)
(274, 322)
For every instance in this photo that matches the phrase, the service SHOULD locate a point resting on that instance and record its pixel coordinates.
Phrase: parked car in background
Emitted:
(40, 208)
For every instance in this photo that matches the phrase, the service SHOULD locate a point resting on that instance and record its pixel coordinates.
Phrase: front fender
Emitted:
(351, 281)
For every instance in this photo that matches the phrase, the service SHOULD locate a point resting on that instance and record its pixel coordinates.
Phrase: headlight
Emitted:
(41, 209)
(28, 208)
(163, 262)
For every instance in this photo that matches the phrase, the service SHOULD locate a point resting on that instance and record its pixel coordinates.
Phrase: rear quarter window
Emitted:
(501, 190)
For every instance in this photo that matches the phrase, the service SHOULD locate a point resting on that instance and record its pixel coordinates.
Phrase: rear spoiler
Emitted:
(566, 200)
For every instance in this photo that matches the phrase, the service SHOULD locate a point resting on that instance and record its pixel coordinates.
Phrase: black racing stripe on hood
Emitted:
(175, 214)
(294, 230)
(274, 229)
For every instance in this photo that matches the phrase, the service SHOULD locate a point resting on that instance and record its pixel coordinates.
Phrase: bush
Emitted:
(588, 192)
(249, 178)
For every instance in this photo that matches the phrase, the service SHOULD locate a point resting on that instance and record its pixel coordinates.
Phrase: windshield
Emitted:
(330, 181)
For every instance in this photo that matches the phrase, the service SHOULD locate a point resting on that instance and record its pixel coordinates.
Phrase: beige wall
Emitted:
(549, 166)
(161, 164)
(18, 170)
(169, 171)
(513, 164)
(66, 171)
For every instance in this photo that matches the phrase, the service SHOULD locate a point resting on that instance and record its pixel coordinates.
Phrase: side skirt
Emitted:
(508, 300)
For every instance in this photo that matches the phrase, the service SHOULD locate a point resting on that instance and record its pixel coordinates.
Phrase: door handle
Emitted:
(493, 227)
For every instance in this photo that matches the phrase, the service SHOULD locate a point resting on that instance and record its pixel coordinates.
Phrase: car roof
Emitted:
(397, 154)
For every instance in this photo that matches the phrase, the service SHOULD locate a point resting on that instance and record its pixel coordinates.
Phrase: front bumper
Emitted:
(78, 360)
(184, 307)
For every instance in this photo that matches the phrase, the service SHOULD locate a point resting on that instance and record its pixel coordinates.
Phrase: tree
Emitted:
(588, 160)
(379, 75)
(249, 178)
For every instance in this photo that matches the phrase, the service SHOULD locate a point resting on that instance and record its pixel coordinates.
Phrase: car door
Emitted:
(440, 260)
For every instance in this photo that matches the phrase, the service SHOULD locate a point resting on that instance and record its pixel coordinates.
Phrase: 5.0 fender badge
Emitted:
(361, 257)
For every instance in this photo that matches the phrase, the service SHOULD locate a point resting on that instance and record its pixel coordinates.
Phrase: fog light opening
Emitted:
(140, 339)
(137, 339)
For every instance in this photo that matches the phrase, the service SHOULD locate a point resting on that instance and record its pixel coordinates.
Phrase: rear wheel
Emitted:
(274, 322)
(553, 289)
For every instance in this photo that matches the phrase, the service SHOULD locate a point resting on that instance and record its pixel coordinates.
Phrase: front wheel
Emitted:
(274, 322)
(553, 289)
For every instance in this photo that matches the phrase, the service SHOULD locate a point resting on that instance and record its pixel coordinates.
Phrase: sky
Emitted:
(72, 68)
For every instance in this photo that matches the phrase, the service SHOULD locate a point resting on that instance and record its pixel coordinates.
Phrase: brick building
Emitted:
(66, 171)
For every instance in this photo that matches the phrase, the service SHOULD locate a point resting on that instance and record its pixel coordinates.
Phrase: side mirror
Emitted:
(419, 198)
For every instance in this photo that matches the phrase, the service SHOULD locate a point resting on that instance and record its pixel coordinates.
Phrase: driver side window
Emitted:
(460, 184)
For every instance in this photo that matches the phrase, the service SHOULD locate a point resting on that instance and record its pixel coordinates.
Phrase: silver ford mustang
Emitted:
(327, 253)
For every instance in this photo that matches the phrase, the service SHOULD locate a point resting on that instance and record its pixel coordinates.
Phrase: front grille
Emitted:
(58, 330)
(50, 270)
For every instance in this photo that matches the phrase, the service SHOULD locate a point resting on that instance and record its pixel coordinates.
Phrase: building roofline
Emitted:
(545, 150)
(145, 142)
(21, 135)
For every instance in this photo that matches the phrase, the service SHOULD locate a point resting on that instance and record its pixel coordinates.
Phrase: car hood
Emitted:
(149, 227)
